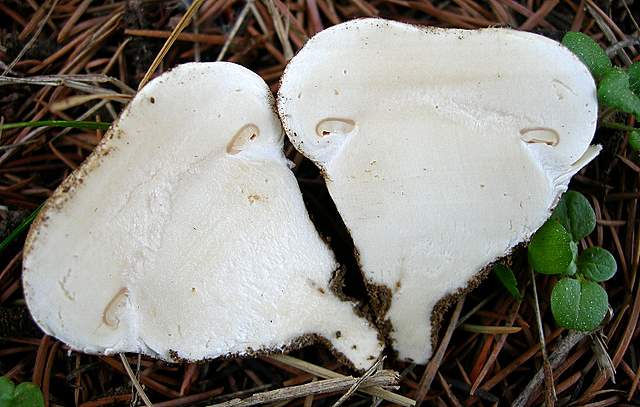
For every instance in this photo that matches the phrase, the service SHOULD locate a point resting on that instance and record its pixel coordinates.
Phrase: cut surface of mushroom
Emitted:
(184, 235)
(459, 145)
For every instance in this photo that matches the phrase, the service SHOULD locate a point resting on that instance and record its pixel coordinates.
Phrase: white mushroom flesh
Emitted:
(442, 149)
(185, 235)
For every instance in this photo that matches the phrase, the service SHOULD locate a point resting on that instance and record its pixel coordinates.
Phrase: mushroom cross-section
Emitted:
(184, 235)
(442, 149)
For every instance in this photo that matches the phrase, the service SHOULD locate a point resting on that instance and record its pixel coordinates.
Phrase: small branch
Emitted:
(326, 373)
(558, 356)
(550, 394)
(615, 48)
(433, 365)
(360, 382)
(381, 378)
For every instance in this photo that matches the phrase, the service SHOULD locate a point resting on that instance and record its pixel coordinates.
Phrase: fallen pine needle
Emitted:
(491, 330)
(182, 24)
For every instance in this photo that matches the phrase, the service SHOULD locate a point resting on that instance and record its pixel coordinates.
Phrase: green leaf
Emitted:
(25, 394)
(579, 305)
(597, 264)
(576, 215)
(634, 140)
(634, 78)
(614, 91)
(589, 52)
(28, 395)
(7, 388)
(550, 249)
(57, 123)
(508, 279)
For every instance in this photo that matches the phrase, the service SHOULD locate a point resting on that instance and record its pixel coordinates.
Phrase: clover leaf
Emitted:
(589, 52)
(25, 394)
(614, 91)
(634, 78)
(576, 215)
(551, 250)
(596, 264)
(578, 304)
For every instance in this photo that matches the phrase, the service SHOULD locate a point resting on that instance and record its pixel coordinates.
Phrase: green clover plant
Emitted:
(617, 88)
(577, 300)
(25, 394)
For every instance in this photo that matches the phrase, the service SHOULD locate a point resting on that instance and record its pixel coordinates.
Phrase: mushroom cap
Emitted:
(442, 149)
(184, 235)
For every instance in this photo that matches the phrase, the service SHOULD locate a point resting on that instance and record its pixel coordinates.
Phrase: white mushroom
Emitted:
(185, 235)
(442, 149)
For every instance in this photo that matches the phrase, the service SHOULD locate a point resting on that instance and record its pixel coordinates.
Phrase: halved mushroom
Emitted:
(442, 149)
(184, 235)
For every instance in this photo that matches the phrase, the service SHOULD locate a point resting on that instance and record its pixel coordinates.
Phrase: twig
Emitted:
(615, 48)
(381, 378)
(550, 394)
(135, 381)
(72, 81)
(360, 382)
(433, 365)
(326, 374)
(557, 357)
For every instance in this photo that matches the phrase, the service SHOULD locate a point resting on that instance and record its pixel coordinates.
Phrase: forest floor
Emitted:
(82, 60)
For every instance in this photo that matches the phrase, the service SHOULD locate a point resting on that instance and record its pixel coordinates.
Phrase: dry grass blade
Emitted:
(282, 29)
(601, 353)
(376, 379)
(135, 381)
(326, 373)
(78, 100)
(234, 30)
(184, 22)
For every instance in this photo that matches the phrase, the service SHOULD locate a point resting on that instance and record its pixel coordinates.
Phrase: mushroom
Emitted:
(443, 149)
(184, 235)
